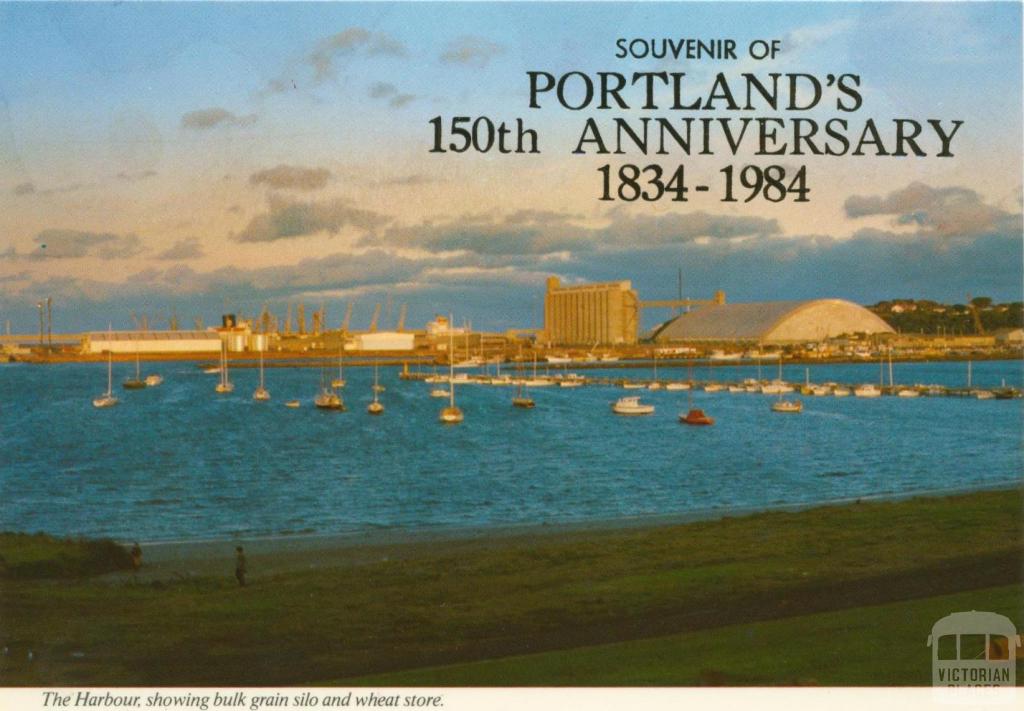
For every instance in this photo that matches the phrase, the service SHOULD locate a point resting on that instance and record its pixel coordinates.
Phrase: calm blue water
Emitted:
(179, 462)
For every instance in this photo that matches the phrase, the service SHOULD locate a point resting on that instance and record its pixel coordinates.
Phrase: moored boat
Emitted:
(375, 407)
(451, 415)
(631, 406)
(225, 385)
(136, 383)
(696, 417)
(788, 406)
(261, 394)
(329, 400)
(107, 399)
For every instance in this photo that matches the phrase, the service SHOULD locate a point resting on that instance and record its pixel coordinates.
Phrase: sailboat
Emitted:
(535, 381)
(327, 399)
(136, 383)
(521, 399)
(225, 385)
(107, 399)
(451, 415)
(339, 382)
(654, 384)
(695, 416)
(261, 393)
(782, 405)
(375, 408)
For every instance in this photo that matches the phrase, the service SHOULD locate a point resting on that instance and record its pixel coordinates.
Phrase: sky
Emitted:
(202, 158)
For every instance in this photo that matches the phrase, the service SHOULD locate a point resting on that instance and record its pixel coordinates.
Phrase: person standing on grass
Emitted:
(240, 566)
(136, 554)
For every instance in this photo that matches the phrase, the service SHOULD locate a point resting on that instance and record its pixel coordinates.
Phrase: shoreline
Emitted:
(280, 553)
(300, 359)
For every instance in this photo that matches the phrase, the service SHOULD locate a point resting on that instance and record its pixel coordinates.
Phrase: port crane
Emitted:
(401, 317)
(373, 321)
(348, 317)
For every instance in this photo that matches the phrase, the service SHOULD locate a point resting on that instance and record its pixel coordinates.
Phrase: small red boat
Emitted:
(696, 417)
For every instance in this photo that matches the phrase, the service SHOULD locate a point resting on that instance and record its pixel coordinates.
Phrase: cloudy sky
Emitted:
(193, 158)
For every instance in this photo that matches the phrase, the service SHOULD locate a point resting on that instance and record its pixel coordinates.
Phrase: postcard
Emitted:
(503, 354)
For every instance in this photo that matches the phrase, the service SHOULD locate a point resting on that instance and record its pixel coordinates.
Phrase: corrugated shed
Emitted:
(772, 321)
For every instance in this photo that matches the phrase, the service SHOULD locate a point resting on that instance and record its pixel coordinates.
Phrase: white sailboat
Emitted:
(107, 399)
(225, 385)
(654, 384)
(782, 405)
(451, 415)
(261, 394)
(375, 407)
(339, 382)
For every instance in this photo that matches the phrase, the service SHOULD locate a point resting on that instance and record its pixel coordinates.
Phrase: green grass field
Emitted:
(881, 645)
(562, 593)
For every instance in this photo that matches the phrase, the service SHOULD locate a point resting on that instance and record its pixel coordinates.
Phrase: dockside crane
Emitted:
(348, 317)
(401, 317)
(376, 316)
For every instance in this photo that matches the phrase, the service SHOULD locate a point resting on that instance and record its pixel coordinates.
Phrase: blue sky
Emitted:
(194, 156)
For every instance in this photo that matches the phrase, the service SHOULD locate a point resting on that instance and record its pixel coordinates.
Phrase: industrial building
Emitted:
(151, 342)
(772, 322)
(605, 314)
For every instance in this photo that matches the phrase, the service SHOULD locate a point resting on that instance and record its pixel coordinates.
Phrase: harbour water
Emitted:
(179, 462)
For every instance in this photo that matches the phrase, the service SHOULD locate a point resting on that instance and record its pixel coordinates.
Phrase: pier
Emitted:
(746, 387)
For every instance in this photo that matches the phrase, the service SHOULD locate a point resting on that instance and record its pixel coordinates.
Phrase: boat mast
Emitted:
(451, 364)
(375, 381)
(223, 362)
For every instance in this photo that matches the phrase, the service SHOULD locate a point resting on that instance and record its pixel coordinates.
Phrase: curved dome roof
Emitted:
(772, 322)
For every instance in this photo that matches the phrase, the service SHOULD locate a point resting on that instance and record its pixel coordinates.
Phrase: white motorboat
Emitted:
(788, 406)
(631, 406)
